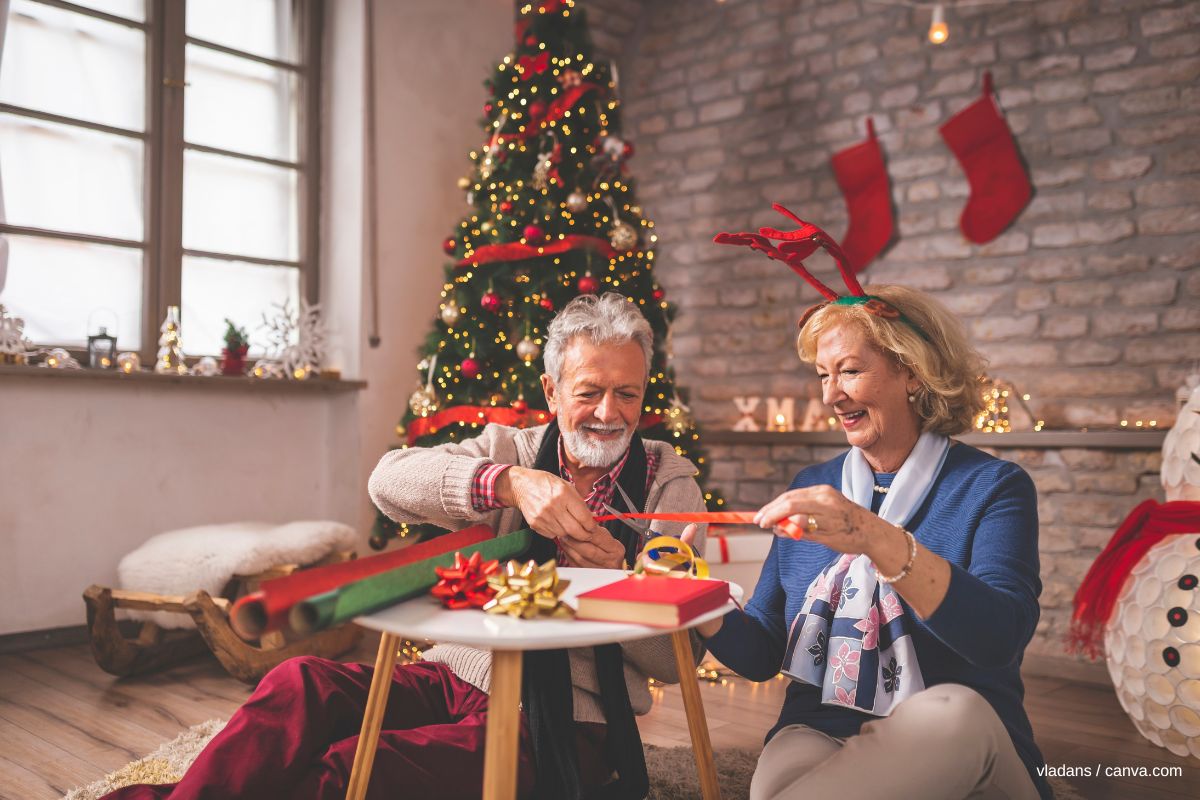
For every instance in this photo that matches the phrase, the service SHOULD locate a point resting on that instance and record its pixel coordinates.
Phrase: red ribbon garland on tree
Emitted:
(515, 251)
(465, 584)
(481, 415)
(555, 111)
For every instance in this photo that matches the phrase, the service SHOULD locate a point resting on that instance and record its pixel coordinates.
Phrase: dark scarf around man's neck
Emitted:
(546, 689)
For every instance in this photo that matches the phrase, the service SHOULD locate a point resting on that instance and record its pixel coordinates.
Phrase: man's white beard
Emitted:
(592, 452)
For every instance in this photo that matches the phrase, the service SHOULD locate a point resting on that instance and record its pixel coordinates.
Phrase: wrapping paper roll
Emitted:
(267, 609)
(380, 591)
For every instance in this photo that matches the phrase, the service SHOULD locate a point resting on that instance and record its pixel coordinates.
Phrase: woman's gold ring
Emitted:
(812, 523)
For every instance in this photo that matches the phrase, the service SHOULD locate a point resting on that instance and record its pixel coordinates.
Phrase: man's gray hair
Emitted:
(607, 319)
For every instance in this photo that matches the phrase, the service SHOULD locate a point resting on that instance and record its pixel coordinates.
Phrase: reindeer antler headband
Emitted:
(801, 243)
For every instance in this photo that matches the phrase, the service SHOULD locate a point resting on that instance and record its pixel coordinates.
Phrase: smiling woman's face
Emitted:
(869, 392)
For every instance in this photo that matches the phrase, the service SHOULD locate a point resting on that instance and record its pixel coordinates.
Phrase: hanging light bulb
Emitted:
(938, 31)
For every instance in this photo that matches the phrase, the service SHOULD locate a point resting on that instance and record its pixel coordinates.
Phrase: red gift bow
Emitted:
(529, 66)
(465, 585)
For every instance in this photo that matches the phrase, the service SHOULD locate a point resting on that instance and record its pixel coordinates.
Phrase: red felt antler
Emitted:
(810, 236)
(792, 254)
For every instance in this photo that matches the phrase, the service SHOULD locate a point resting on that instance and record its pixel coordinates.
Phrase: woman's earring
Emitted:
(912, 398)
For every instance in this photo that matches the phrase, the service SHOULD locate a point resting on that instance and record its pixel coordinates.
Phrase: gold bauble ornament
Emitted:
(450, 315)
(528, 350)
(485, 226)
(464, 183)
(623, 237)
(423, 402)
(577, 202)
(401, 431)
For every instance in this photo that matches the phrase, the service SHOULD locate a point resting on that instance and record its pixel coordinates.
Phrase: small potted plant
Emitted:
(233, 357)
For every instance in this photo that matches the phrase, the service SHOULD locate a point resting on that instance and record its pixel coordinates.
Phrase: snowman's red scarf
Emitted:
(1146, 526)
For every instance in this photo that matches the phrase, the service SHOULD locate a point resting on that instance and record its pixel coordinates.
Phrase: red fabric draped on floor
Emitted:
(294, 739)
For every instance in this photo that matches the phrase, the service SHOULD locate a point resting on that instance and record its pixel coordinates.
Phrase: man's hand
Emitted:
(599, 550)
(550, 505)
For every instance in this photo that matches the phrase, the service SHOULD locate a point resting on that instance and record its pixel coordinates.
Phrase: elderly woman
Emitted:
(902, 613)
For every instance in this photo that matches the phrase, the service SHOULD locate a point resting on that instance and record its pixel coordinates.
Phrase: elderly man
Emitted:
(295, 737)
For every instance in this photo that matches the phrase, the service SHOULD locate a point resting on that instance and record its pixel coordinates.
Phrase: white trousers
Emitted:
(945, 743)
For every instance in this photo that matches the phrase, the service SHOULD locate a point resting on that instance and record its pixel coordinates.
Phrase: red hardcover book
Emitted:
(656, 601)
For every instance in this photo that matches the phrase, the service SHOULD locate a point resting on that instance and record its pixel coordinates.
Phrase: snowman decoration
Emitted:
(1152, 637)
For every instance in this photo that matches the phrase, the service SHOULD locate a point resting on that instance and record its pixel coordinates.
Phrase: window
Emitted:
(157, 153)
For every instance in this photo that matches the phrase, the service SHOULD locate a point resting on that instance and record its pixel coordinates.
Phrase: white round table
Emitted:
(423, 618)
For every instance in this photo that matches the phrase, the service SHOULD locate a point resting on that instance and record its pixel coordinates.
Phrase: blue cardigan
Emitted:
(981, 516)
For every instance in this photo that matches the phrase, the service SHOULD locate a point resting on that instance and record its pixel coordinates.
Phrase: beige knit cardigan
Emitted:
(433, 485)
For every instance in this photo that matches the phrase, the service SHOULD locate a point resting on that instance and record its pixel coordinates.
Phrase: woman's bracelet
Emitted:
(912, 556)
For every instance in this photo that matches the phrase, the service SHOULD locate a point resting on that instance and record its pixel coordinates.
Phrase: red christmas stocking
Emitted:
(864, 183)
(985, 149)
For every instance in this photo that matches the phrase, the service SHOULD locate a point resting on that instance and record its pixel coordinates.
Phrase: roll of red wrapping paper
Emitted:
(267, 609)
(710, 518)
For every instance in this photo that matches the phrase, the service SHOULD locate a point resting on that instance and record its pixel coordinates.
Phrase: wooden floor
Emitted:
(64, 722)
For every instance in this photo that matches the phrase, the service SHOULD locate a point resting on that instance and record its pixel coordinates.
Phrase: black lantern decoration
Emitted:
(102, 350)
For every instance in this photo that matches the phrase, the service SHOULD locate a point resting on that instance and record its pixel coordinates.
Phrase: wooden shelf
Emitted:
(1105, 440)
(147, 379)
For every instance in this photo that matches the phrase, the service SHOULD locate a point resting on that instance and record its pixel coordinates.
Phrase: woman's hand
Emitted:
(827, 517)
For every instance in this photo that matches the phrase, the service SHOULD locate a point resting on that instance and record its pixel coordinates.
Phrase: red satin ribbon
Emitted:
(501, 415)
(710, 518)
(515, 251)
(723, 543)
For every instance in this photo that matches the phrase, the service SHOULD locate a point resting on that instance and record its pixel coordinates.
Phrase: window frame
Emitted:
(164, 147)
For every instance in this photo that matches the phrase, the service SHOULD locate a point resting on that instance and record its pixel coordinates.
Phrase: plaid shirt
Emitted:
(483, 486)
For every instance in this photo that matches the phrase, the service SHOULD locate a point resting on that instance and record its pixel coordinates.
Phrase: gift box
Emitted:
(737, 557)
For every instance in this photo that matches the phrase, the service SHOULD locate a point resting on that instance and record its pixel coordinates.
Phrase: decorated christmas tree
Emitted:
(553, 215)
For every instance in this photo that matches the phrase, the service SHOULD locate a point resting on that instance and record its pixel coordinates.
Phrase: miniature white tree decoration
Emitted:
(297, 341)
(13, 344)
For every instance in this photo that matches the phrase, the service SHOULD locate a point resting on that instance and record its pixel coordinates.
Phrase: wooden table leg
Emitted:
(503, 727)
(697, 724)
(368, 738)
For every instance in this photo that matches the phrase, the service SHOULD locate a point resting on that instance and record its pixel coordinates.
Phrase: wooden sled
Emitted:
(145, 647)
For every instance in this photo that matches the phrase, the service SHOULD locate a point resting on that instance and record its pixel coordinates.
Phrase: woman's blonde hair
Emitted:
(948, 368)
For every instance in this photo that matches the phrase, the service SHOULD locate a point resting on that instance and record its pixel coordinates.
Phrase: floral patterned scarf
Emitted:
(852, 636)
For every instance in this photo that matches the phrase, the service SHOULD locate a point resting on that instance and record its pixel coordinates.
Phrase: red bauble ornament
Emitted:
(470, 367)
(627, 150)
(537, 110)
(531, 41)
(546, 303)
(487, 109)
(520, 406)
(449, 245)
(490, 301)
(588, 284)
(658, 294)
(506, 206)
(534, 234)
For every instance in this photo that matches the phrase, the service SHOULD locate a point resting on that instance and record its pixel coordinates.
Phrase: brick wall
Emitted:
(1090, 302)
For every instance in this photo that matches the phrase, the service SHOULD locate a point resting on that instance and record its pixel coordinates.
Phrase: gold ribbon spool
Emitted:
(670, 557)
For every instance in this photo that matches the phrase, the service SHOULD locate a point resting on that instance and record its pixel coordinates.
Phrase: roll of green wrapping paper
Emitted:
(380, 591)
